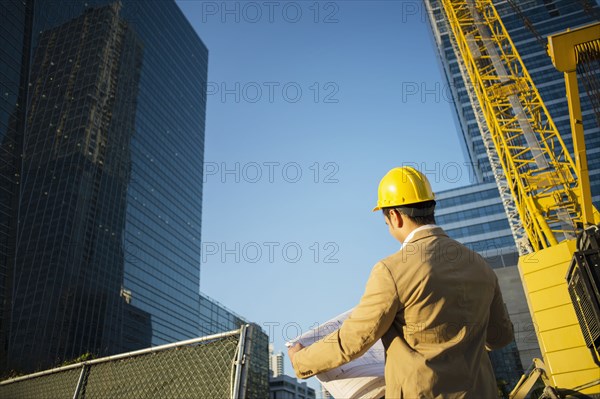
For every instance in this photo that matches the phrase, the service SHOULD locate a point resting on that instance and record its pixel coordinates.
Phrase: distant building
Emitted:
(283, 386)
(275, 362)
(286, 387)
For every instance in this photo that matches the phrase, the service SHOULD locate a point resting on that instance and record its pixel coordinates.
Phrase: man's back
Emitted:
(436, 343)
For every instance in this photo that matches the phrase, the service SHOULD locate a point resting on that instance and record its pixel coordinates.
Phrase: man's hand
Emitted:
(292, 351)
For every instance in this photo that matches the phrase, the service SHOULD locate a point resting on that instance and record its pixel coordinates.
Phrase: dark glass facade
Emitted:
(15, 37)
(102, 140)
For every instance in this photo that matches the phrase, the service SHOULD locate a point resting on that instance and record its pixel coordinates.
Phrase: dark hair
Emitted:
(407, 210)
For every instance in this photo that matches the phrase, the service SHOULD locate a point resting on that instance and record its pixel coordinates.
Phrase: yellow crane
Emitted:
(555, 223)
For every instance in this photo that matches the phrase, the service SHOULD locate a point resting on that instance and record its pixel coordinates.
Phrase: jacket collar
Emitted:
(424, 232)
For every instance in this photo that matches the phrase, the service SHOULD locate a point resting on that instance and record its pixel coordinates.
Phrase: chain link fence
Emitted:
(214, 366)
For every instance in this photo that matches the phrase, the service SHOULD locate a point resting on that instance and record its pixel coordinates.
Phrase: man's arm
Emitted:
(371, 318)
(500, 329)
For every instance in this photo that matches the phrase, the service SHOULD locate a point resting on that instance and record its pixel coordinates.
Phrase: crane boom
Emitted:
(538, 167)
(508, 202)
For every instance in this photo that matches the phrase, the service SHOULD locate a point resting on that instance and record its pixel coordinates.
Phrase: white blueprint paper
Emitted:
(362, 378)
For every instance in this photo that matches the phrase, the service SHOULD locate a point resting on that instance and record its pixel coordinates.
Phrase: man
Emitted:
(435, 304)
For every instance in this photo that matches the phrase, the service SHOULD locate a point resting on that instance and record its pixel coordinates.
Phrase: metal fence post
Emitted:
(238, 391)
(81, 381)
(246, 361)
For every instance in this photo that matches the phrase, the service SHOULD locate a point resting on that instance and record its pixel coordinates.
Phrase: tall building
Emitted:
(75, 170)
(474, 214)
(102, 109)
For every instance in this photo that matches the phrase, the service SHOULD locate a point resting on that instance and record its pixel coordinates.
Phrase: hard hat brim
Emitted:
(377, 208)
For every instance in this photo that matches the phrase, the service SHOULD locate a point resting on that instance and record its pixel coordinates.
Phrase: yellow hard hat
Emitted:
(403, 186)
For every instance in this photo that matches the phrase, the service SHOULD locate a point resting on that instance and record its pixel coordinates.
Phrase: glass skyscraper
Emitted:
(102, 110)
(475, 214)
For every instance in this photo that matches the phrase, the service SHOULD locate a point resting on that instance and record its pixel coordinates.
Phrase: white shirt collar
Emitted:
(420, 228)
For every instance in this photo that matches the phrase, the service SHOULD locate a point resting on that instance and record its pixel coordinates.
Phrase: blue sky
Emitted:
(309, 105)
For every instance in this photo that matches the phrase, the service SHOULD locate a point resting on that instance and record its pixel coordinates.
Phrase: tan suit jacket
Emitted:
(437, 306)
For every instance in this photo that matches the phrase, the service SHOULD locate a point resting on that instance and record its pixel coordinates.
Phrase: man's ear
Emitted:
(396, 218)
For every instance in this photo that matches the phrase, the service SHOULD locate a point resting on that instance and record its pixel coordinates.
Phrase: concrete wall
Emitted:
(516, 302)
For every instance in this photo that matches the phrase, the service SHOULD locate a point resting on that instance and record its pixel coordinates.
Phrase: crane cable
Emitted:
(590, 9)
(588, 67)
(517, 9)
